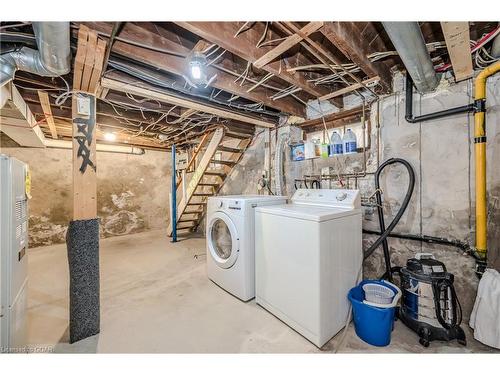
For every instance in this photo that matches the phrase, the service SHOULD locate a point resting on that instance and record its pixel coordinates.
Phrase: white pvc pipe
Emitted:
(58, 143)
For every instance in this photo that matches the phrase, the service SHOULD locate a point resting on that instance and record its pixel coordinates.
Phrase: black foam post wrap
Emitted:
(82, 240)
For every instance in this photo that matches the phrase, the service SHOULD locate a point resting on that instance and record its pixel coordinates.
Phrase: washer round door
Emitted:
(223, 241)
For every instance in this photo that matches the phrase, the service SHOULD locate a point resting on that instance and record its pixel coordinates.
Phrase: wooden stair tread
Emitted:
(237, 135)
(196, 204)
(215, 173)
(230, 149)
(202, 194)
(223, 162)
(207, 184)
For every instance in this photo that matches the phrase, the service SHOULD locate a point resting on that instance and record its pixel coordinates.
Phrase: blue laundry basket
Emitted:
(373, 324)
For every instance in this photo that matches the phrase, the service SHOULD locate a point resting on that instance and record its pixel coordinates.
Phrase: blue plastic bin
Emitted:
(372, 324)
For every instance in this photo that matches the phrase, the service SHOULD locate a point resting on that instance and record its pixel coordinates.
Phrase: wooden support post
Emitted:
(84, 157)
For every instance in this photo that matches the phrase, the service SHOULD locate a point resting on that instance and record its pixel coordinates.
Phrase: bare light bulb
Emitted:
(111, 137)
(195, 71)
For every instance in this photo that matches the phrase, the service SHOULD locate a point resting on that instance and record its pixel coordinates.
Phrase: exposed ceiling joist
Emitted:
(351, 88)
(177, 64)
(321, 53)
(47, 111)
(347, 114)
(149, 92)
(244, 46)
(288, 43)
(350, 41)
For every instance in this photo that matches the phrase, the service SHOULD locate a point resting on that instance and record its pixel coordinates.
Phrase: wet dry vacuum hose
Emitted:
(385, 232)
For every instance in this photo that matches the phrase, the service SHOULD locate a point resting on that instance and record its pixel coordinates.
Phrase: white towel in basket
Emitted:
(485, 316)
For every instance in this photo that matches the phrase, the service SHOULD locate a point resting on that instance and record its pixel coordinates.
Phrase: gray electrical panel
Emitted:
(13, 256)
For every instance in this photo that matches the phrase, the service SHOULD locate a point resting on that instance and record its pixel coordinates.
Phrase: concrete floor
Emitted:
(156, 298)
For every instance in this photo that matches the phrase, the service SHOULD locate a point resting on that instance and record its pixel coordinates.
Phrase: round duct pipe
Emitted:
(410, 45)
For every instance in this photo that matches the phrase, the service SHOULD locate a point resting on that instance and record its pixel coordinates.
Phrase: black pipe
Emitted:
(424, 238)
(385, 232)
(430, 116)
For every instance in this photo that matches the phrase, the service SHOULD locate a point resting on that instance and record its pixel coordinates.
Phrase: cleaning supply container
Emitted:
(336, 145)
(349, 142)
(373, 317)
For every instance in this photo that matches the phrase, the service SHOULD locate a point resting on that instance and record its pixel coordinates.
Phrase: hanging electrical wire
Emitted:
(247, 25)
(264, 34)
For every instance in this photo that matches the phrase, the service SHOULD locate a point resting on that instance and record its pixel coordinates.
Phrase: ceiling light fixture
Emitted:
(197, 64)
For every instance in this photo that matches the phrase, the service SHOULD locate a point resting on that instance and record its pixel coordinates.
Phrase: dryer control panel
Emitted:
(328, 197)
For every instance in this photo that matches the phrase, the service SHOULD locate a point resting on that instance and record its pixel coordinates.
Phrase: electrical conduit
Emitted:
(278, 163)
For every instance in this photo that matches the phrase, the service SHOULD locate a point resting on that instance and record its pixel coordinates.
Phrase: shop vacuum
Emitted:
(429, 306)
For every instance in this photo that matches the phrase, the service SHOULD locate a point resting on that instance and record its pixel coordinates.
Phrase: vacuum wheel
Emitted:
(424, 337)
(425, 343)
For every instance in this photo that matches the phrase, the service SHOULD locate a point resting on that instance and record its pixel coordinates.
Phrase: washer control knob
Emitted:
(341, 196)
(219, 204)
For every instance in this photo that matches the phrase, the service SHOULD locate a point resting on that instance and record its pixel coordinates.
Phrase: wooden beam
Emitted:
(457, 37)
(89, 60)
(47, 111)
(244, 45)
(288, 43)
(98, 65)
(350, 88)
(177, 65)
(333, 117)
(84, 158)
(149, 91)
(88, 64)
(351, 41)
(321, 53)
(80, 56)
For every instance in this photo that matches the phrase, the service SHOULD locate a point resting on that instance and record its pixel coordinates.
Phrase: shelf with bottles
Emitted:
(337, 146)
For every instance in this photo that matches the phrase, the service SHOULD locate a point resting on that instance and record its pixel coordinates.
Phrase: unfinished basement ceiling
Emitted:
(251, 81)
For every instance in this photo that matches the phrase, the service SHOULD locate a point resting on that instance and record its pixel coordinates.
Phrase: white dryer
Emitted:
(230, 241)
(307, 256)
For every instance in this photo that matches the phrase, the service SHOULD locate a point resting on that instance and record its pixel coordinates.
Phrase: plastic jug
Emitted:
(336, 146)
(349, 141)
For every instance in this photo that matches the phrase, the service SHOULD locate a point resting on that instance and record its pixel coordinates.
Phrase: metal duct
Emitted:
(410, 45)
(495, 47)
(53, 57)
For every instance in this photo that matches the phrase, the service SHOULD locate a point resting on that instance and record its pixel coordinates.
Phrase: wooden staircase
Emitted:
(212, 169)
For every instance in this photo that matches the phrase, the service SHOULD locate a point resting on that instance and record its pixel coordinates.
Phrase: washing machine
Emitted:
(230, 241)
(308, 255)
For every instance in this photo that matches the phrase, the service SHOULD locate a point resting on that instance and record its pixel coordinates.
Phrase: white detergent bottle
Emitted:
(336, 147)
(349, 141)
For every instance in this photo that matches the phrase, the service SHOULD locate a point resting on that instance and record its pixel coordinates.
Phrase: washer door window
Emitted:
(223, 240)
